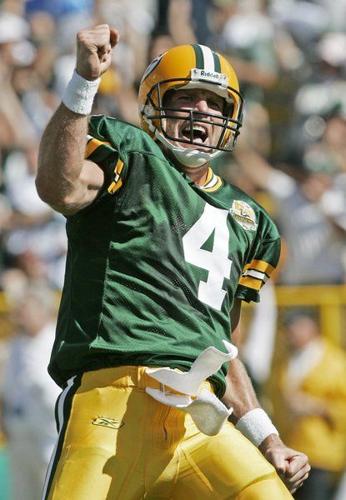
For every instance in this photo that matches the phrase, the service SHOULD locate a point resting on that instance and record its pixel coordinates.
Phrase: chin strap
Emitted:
(206, 410)
(192, 158)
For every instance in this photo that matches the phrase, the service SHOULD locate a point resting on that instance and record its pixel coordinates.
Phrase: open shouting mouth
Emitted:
(196, 134)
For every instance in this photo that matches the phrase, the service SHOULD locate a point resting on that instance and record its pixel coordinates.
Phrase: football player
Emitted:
(161, 253)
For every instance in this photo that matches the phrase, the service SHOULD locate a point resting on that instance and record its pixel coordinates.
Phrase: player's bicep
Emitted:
(86, 189)
(92, 177)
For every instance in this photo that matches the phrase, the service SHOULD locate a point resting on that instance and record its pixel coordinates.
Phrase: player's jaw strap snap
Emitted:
(206, 410)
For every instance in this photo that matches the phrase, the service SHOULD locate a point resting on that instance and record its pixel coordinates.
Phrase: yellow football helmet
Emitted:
(190, 67)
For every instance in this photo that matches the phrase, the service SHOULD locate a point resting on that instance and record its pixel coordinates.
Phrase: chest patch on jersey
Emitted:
(244, 215)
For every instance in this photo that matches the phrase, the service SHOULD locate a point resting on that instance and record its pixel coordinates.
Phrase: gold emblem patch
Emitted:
(112, 423)
(244, 215)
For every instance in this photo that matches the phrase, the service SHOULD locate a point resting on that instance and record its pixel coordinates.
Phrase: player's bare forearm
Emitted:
(61, 157)
(64, 179)
(291, 465)
(239, 394)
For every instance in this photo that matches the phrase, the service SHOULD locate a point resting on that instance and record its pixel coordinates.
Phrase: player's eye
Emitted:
(215, 104)
(184, 99)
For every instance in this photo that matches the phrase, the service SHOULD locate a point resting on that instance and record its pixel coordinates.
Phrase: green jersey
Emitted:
(155, 262)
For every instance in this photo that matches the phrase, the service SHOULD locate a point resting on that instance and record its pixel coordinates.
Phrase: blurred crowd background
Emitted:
(290, 56)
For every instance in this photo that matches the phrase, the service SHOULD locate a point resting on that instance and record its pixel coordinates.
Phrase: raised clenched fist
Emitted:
(94, 47)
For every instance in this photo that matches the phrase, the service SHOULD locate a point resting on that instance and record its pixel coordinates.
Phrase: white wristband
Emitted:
(256, 426)
(79, 94)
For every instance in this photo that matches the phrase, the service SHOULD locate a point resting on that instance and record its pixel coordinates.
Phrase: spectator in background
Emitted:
(136, 20)
(187, 21)
(321, 99)
(28, 393)
(330, 152)
(314, 244)
(14, 51)
(244, 31)
(34, 238)
(247, 35)
(305, 20)
(180, 21)
(69, 16)
(312, 403)
(160, 42)
(118, 90)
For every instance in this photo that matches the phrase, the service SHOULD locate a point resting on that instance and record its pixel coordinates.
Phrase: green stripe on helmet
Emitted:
(217, 62)
(199, 56)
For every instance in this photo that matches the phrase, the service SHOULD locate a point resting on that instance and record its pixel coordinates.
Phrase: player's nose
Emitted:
(201, 105)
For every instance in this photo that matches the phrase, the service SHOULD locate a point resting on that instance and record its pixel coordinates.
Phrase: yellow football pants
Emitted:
(116, 442)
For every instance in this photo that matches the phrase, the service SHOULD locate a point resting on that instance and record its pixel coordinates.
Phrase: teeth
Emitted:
(196, 129)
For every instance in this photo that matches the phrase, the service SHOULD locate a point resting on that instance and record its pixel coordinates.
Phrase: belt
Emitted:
(185, 391)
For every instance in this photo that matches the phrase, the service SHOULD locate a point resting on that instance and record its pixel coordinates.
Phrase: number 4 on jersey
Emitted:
(216, 262)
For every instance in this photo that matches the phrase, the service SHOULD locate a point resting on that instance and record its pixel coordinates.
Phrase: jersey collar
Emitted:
(212, 183)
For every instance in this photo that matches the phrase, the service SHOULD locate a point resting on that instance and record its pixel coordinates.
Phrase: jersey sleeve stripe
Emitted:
(92, 145)
(260, 266)
(256, 274)
(117, 182)
(250, 282)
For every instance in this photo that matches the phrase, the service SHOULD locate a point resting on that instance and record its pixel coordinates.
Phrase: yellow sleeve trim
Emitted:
(251, 283)
(92, 145)
(117, 183)
(260, 265)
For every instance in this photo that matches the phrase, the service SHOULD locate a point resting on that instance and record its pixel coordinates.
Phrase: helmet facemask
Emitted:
(156, 113)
